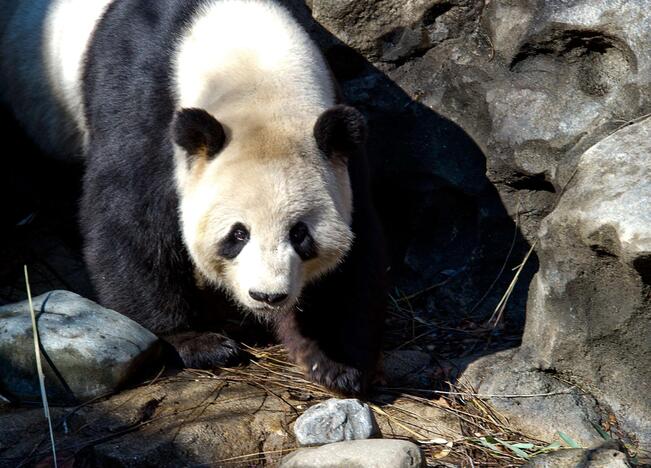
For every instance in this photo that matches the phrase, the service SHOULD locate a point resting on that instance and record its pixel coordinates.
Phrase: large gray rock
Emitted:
(558, 406)
(335, 420)
(589, 307)
(573, 68)
(390, 31)
(589, 311)
(87, 350)
(379, 453)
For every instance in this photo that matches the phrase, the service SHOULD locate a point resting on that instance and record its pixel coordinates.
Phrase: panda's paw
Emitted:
(336, 376)
(206, 350)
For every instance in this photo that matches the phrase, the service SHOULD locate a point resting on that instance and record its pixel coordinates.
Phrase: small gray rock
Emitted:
(374, 453)
(335, 420)
(94, 350)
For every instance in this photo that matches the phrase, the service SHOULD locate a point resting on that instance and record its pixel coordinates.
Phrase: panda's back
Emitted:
(127, 79)
(236, 59)
(118, 68)
(240, 59)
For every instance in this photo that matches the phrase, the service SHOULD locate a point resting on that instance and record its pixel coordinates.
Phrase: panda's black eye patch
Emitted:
(231, 245)
(302, 241)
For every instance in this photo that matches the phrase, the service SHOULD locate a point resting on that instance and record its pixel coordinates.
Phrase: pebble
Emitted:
(335, 420)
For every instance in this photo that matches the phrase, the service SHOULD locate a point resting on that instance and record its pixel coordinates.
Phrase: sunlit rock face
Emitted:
(589, 311)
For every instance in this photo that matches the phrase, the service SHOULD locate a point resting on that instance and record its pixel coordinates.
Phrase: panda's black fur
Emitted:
(129, 212)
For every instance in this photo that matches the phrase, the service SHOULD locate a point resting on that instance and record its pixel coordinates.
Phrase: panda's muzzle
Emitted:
(271, 299)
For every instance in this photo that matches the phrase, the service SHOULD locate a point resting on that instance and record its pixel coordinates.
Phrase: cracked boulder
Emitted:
(390, 31)
(538, 403)
(589, 311)
(87, 350)
(599, 457)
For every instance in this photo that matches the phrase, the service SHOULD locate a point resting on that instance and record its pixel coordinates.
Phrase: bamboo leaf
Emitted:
(604, 435)
(519, 452)
(568, 440)
(487, 444)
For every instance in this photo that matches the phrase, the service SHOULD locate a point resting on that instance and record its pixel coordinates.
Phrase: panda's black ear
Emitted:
(340, 131)
(198, 132)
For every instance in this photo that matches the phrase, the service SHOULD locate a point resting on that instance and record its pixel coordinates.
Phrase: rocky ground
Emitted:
(262, 412)
(250, 416)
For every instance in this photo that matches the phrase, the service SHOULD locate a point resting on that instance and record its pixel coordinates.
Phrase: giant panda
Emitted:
(221, 171)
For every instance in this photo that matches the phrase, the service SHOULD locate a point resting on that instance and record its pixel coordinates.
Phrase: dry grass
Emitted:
(485, 438)
(39, 367)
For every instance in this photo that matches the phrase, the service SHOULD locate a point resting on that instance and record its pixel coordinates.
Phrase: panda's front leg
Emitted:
(309, 353)
(205, 350)
(161, 300)
(336, 346)
(337, 376)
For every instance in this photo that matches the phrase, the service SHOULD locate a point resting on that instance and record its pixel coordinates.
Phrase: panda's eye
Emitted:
(298, 232)
(231, 245)
(302, 241)
(240, 235)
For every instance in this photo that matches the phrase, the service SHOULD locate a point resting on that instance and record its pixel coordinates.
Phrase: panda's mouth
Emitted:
(271, 309)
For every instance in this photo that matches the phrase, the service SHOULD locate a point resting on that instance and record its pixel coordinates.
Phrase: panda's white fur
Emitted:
(41, 73)
(256, 71)
(67, 32)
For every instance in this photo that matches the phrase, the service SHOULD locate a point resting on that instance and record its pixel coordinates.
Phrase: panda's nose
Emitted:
(271, 299)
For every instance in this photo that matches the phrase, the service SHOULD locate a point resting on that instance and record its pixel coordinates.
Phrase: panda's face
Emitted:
(264, 215)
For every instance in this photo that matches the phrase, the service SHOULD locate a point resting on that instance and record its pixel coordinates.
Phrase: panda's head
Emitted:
(266, 207)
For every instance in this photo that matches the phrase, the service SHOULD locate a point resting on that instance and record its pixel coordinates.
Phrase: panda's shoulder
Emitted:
(127, 76)
(134, 31)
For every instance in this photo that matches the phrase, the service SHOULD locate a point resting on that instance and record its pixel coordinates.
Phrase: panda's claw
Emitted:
(337, 377)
